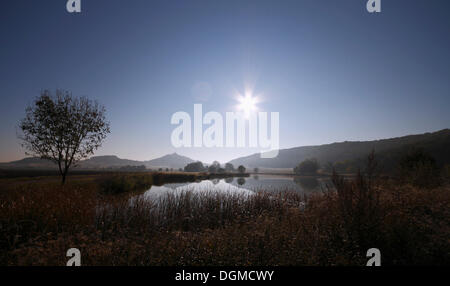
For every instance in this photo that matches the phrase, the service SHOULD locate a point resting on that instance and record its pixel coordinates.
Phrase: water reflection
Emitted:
(203, 187)
(249, 185)
(308, 184)
(240, 181)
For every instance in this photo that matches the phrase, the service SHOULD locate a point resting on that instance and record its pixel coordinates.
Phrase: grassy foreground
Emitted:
(40, 221)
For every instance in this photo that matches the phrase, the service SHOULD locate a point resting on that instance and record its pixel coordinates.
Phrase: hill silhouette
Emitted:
(169, 161)
(344, 155)
(353, 154)
(102, 162)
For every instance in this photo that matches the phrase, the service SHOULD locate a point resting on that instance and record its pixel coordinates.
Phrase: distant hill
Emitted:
(29, 163)
(96, 162)
(354, 153)
(346, 155)
(102, 162)
(169, 161)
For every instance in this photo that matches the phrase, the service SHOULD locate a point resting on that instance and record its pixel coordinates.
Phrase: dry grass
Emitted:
(39, 222)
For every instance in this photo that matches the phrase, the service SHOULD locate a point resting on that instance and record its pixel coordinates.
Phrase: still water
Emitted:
(245, 186)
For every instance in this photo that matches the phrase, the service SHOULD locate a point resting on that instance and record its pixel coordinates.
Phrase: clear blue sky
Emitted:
(332, 70)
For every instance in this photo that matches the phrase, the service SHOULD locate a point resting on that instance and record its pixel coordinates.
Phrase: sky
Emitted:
(333, 71)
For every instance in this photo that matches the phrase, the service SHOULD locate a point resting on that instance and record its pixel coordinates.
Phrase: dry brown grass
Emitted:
(39, 222)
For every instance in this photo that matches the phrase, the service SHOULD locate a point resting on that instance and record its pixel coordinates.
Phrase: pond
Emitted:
(245, 186)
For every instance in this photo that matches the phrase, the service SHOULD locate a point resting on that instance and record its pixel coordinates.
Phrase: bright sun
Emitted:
(247, 103)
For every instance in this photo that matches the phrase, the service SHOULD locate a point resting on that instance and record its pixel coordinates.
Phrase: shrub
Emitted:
(307, 167)
(359, 205)
(195, 167)
(122, 183)
(446, 174)
(419, 168)
(229, 167)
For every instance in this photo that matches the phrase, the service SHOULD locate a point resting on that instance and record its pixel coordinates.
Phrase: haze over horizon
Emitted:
(223, 162)
(333, 71)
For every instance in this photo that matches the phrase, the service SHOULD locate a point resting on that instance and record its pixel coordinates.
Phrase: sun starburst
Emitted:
(247, 103)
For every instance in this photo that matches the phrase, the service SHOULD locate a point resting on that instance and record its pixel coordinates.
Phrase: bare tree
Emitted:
(63, 129)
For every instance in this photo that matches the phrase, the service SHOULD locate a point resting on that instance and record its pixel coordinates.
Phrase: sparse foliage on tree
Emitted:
(63, 129)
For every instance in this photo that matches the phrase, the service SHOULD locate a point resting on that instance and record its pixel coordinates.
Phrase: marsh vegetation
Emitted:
(40, 220)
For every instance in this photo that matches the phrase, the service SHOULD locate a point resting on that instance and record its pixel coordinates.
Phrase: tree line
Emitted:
(214, 168)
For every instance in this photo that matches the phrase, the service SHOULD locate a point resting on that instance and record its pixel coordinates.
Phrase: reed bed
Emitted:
(411, 226)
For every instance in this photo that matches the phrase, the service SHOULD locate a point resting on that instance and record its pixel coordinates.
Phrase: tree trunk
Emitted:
(64, 174)
(63, 178)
